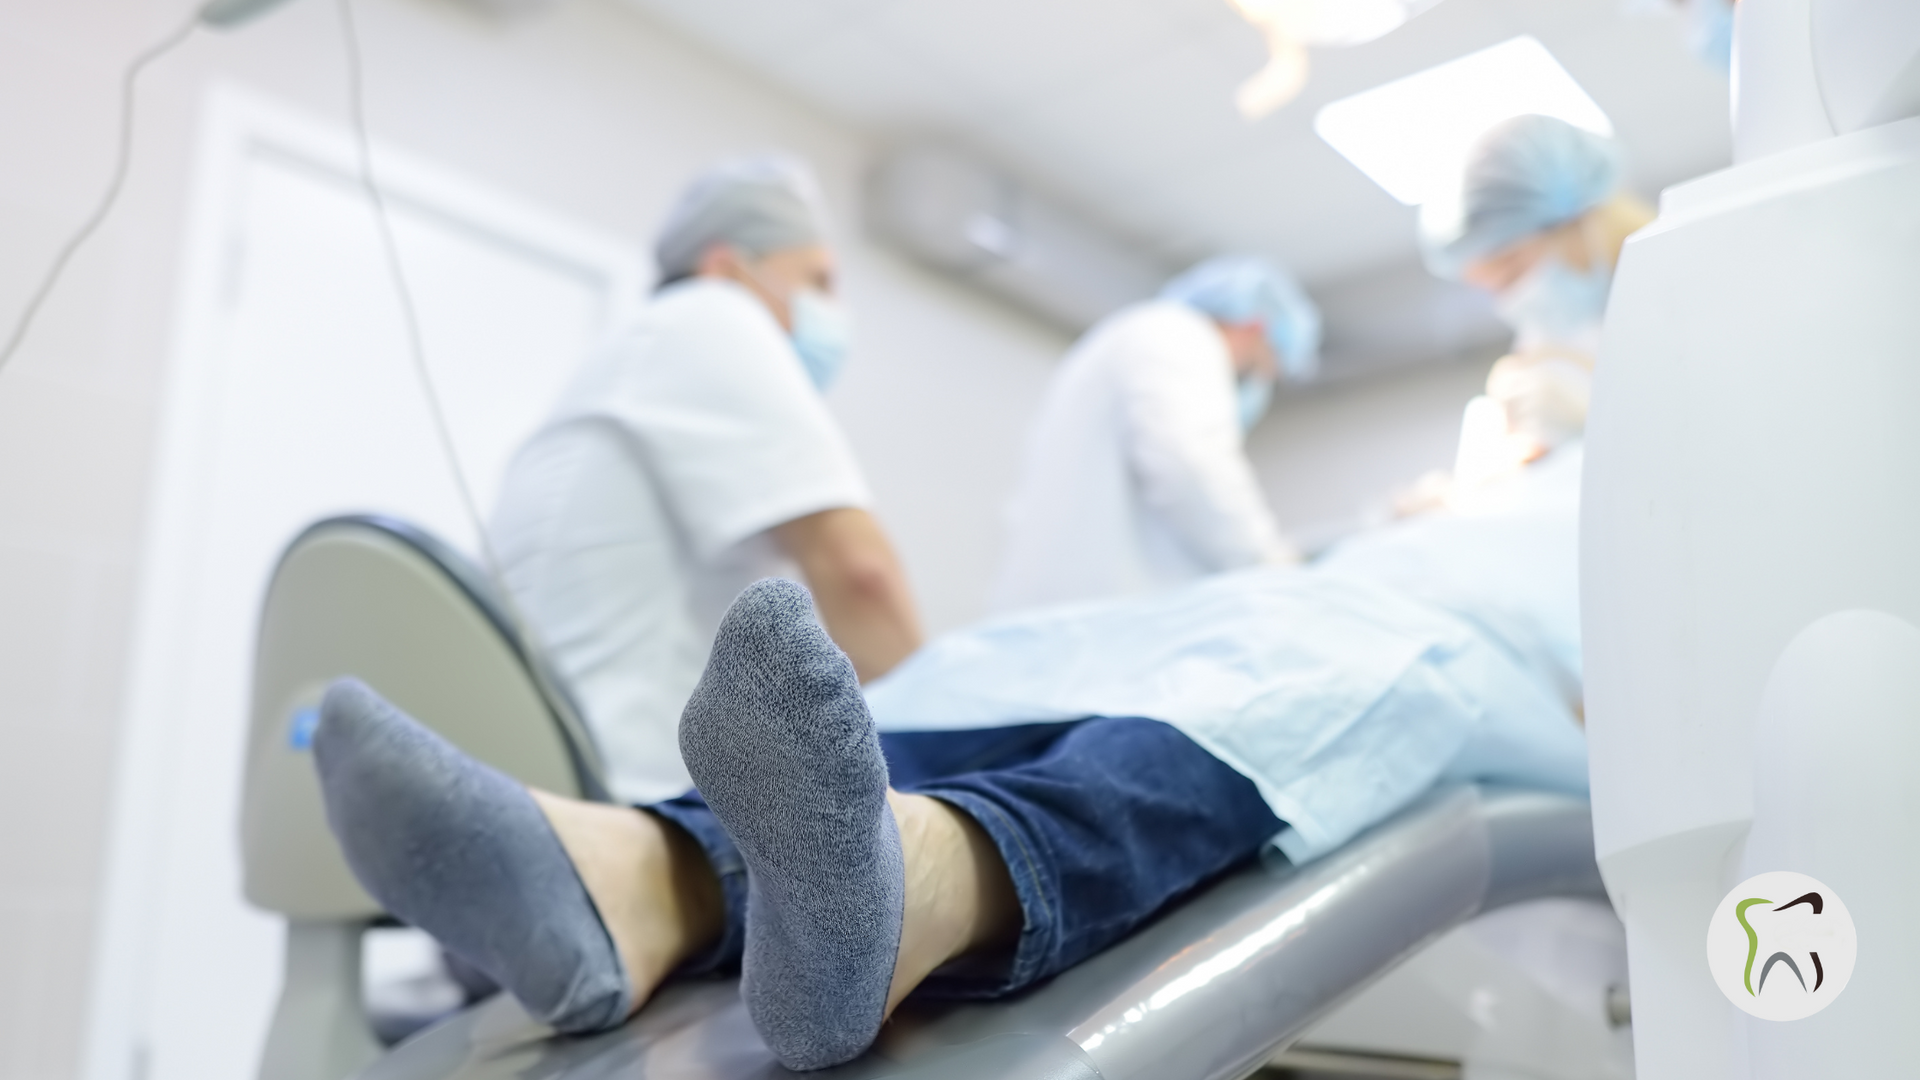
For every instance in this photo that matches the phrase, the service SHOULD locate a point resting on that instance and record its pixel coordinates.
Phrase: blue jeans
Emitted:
(1102, 823)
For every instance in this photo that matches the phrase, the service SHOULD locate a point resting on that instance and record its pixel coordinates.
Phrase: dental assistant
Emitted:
(1538, 222)
(692, 455)
(1135, 476)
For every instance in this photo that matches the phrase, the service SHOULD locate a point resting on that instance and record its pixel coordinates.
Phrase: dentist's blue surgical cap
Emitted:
(1242, 288)
(759, 204)
(1525, 176)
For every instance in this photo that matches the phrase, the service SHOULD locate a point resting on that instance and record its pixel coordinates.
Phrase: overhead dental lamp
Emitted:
(230, 13)
(1292, 26)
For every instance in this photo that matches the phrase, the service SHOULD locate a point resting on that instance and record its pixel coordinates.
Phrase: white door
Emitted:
(294, 399)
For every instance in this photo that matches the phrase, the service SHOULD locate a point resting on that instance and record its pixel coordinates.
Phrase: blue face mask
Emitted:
(1555, 302)
(1710, 32)
(822, 334)
(1252, 396)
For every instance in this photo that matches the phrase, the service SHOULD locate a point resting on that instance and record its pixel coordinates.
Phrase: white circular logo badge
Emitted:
(1781, 946)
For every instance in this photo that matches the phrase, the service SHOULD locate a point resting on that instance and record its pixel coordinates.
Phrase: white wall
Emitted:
(1331, 457)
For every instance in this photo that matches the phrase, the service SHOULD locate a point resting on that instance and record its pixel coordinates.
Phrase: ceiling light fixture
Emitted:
(1412, 135)
(1291, 26)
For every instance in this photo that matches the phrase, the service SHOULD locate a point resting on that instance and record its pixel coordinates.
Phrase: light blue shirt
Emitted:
(1440, 649)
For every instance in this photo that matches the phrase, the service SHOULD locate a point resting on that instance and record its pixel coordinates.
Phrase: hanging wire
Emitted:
(409, 313)
(140, 63)
(556, 700)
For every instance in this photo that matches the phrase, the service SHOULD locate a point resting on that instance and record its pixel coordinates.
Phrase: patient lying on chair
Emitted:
(1043, 785)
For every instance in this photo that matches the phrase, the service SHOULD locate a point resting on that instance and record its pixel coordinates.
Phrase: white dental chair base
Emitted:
(320, 1026)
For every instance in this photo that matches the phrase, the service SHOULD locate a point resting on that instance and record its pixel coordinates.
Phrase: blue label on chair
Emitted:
(300, 732)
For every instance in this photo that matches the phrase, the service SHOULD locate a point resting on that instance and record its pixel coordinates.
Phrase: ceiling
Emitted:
(1123, 109)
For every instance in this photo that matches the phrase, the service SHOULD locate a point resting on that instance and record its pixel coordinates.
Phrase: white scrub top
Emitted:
(1135, 477)
(1441, 650)
(637, 513)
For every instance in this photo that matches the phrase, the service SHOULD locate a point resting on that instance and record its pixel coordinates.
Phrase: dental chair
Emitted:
(1211, 990)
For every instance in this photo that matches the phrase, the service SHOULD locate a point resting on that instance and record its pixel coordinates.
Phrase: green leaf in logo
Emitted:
(1753, 939)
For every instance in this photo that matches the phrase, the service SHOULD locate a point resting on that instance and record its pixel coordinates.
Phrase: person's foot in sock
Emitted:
(842, 919)
(578, 909)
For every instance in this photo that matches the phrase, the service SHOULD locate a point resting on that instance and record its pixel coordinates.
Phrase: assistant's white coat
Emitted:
(1135, 478)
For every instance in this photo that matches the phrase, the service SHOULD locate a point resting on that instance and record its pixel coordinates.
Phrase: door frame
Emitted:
(239, 126)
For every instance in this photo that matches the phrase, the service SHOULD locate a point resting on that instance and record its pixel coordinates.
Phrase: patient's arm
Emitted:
(858, 585)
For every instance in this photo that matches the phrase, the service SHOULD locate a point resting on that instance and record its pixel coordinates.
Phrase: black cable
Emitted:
(556, 700)
(154, 52)
(416, 348)
(390, 249)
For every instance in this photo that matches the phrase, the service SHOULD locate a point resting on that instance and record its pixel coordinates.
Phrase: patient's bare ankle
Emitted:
(649, 880)
(960, 898)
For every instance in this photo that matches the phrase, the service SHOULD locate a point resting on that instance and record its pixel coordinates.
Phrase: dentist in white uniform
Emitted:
(1136, 477)
(692, 455)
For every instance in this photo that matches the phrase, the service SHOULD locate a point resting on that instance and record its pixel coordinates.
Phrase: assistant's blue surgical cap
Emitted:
(1244, 288)
(757, 204)
(1525, 176)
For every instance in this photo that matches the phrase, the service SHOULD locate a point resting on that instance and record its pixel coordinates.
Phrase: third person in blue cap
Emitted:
(1136, 477)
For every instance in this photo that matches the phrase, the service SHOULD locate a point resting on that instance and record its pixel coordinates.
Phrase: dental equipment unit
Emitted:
(1750, 593)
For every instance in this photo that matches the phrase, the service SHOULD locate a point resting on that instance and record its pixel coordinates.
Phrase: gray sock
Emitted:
(462, 851)
(779, 741)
